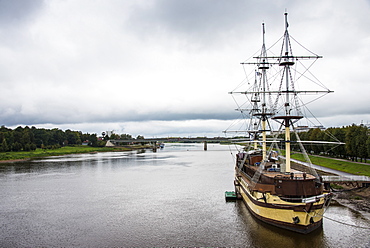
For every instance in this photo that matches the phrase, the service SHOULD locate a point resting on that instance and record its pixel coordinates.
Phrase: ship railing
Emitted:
(311, 199)
(294, 176)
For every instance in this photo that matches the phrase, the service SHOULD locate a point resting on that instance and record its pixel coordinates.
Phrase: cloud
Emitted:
(198, 22)
(14, 13)
(82, 63)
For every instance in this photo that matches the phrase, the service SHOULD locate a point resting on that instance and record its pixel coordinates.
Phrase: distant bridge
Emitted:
(150, 140)
(204, 140)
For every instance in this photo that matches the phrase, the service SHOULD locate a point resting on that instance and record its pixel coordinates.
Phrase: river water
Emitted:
(174, 197)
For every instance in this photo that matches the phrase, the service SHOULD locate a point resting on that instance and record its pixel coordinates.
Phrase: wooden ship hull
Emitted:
(294, 201)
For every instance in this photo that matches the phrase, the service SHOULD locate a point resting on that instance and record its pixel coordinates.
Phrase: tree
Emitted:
(16, 147)
(73, 137)
(313, 135)
(368, 145)
(93, 139)
(351, 142)
(125, 136)
(114, 136)
(31, 138)
(57, 137)
(4, 146)
(356, 138)
(337, 134)
(361, 140)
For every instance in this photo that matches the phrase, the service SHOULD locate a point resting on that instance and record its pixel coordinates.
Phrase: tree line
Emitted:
(28, 139)
(355, 137)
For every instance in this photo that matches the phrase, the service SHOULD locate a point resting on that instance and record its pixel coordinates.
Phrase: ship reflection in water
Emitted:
(174, 197)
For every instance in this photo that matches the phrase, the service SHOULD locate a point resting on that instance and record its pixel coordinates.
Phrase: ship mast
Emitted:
(258, 93)
(287, 102)
(260, 89)
(287, 60)
(263, 66)
(258, 98)
(255, 100)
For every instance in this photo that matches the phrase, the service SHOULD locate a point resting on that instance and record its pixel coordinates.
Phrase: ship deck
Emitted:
(296, 174)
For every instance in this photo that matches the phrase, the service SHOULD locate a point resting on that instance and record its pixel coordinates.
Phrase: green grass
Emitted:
(346, 166)
(336, 186)
(56, 152)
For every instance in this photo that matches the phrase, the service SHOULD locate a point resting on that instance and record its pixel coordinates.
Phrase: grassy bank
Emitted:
(346, 166)
(8, 156)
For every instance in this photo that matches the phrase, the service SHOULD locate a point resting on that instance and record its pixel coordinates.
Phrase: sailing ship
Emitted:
(268, 183)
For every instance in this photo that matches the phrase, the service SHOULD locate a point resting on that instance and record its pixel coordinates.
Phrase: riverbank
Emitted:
(10, 157)
(357, 199)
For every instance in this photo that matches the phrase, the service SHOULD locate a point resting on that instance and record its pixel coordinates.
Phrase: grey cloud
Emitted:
(207, 23)
(13, 116)
(18, 11)
(85, 66)
(192, 22)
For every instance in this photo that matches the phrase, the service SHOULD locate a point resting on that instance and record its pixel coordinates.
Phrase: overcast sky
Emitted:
(164, 67)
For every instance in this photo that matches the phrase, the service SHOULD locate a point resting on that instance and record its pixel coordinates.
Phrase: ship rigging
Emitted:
(272, 190)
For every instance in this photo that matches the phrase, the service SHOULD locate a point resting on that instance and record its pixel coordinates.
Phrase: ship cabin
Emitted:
(290, 186)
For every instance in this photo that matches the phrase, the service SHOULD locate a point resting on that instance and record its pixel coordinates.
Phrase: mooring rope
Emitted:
(340, 222)
(347, 224)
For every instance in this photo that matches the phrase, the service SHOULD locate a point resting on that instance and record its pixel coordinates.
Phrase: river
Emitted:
(174, 197)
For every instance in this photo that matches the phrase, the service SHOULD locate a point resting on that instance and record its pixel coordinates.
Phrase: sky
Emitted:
(162, 68)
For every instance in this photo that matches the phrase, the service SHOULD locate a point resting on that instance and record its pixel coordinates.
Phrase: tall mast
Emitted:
(258, 98)
(255, 110)
(287, 60)
(264, 66)
(287, 65)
